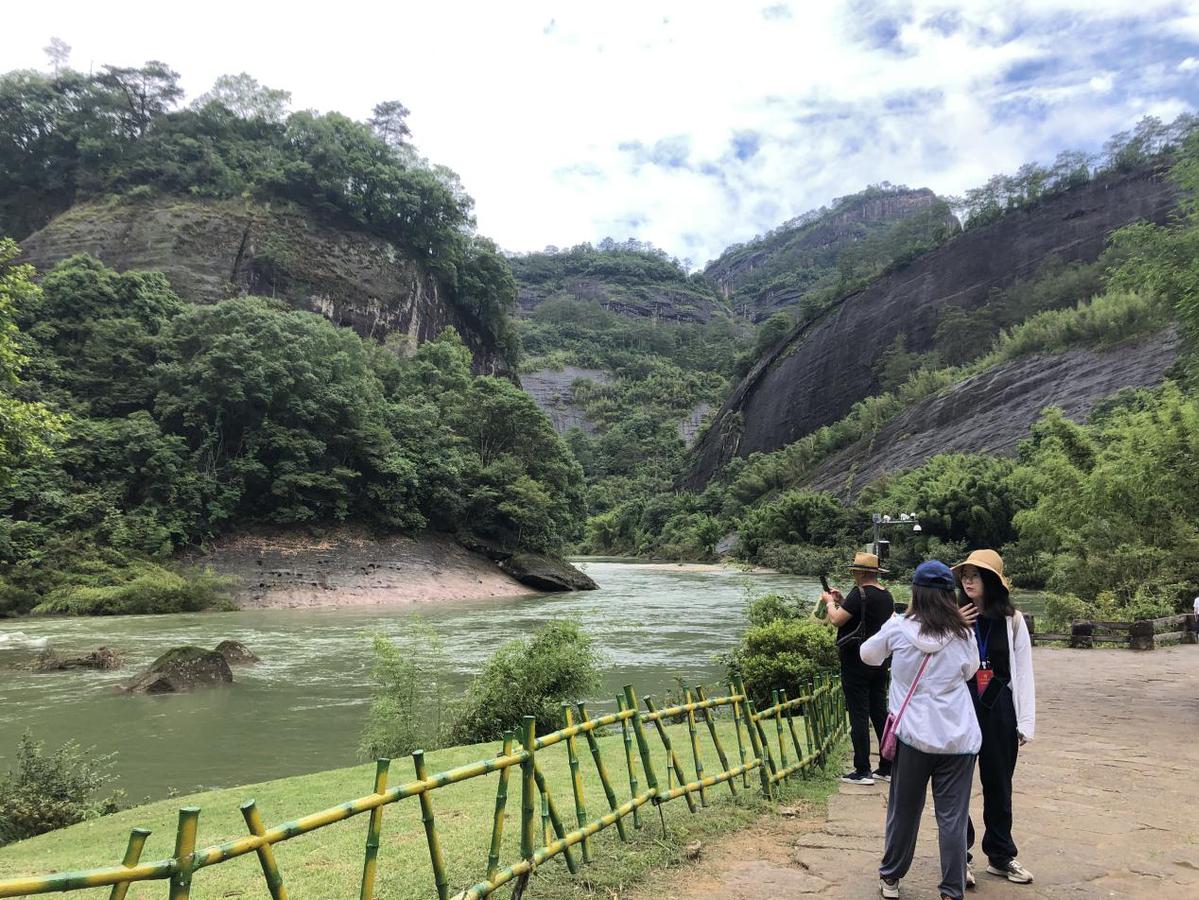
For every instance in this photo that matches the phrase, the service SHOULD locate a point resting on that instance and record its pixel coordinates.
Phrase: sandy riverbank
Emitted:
(352, 569)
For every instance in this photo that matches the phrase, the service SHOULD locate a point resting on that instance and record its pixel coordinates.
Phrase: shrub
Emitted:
(772, 607)
(98, 588)
(405, 712)
(783, 655)
(533, 677)
(1062, 609)
(48, 791)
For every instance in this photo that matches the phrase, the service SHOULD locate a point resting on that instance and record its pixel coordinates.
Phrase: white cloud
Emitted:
(530, 102)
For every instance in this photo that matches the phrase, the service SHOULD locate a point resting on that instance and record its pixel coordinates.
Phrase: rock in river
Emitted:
(182, 669)
(101, 658)
(546, 573)
(236, 653)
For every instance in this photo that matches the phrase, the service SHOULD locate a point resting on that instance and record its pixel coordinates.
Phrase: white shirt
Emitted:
(1197, 606)
(940, 716)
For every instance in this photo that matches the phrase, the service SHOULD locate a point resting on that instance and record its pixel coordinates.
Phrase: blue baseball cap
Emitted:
(935, 574)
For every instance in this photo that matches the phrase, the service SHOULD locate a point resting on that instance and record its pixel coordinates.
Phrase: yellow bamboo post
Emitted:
(630, 758)
(576, 780)
(185, 847)
(737, 728)
(809, 733)
(266, 854)
(550, 812)
(672, 759)
(758, 750)
(426, 814)
(817, 718)
(528, 787)
(501, 803)
(791, 728)
(605, 782)
(133, 852)
(630, 698)
(694, 734)
(545, 820)
(778, 727)
(720, 754)
(373, 831)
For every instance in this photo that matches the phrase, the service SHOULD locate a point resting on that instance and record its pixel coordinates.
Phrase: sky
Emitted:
(691, 125)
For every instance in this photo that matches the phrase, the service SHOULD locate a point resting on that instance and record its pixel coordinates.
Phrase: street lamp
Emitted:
(880, 521)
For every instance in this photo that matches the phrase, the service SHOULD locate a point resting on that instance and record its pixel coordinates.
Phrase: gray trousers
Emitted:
(952, 776)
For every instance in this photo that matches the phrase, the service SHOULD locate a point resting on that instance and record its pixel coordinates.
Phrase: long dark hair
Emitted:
(936, 609)
(997, 601)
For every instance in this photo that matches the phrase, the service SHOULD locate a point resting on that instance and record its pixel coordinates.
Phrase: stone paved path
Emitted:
(1106, 801)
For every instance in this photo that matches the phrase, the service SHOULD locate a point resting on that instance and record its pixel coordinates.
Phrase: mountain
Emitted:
(214, 249)
(816, 251)
(826, 365)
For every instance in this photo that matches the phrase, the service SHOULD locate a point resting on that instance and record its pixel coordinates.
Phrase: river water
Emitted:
(302, 708)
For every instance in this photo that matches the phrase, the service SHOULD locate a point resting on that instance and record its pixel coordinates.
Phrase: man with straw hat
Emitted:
(858, 617)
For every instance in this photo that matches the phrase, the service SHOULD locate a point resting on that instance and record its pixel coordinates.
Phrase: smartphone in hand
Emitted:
(824, 582)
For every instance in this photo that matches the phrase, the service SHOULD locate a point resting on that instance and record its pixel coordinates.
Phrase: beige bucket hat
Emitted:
(983, 559)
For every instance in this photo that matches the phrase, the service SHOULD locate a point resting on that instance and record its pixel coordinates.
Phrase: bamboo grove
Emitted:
(804, 730)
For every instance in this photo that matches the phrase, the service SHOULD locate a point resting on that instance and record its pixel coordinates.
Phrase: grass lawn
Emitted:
(327, 864)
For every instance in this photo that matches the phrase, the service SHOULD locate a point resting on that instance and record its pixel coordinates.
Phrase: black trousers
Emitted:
(865, 689)
(996, 765)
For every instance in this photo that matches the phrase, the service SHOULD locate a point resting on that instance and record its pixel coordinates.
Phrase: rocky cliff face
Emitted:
(811, 242)
(211, 250)
(650, 301)
(827, 365)
(551, 389)
(993, 411)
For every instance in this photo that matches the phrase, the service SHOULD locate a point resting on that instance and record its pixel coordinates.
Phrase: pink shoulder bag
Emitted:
(887, 746)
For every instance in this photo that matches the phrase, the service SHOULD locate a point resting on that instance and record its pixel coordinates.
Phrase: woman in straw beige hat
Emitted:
(1004, 700)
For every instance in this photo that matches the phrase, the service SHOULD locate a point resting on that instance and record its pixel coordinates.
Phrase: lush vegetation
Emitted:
(185, 422)
(44, 791)
(116, 131)
(783, 648)
(558, 663)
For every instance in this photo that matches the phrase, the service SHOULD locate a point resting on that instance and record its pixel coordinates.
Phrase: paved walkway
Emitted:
(1106, 801)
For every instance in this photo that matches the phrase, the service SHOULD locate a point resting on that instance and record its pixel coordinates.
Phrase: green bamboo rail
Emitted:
(821, 708)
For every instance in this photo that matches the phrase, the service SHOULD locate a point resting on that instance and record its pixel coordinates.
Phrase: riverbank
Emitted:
(327, 863)
(348, 568)
(1095, 814)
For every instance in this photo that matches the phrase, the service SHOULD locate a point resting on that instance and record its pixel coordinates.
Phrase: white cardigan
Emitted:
(1024, 693)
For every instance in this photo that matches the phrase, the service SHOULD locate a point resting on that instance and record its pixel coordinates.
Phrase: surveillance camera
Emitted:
(917, 527)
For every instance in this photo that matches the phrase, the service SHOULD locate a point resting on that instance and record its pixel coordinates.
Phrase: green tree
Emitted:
(243, 96)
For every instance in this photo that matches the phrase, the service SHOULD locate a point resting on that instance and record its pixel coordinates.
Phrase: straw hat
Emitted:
(984, 559)
(867, 562)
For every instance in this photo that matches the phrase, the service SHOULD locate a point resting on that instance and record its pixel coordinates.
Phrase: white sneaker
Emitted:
(889, 889)
(970, 882)
(1013, 872)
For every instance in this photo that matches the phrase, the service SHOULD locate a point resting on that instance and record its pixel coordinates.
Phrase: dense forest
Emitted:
(137, 423)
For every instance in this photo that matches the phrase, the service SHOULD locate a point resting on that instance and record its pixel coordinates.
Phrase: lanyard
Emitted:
(983, 641)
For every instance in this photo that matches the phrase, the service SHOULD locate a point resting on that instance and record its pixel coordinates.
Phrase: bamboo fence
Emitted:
(820, 712)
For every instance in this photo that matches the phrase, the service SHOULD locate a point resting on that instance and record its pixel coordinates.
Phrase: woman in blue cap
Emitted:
(933, 654)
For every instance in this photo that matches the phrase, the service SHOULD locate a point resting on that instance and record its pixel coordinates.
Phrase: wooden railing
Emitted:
(1146, 634)
(820, 712)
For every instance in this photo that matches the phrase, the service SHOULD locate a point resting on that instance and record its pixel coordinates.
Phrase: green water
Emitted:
(302, 708)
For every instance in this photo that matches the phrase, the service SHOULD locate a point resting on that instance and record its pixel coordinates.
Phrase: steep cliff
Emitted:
(827, 365)
(993, 411)
(215, 249)
(774, 271)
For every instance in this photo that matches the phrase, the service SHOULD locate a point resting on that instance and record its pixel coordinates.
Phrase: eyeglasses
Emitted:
(971, 576)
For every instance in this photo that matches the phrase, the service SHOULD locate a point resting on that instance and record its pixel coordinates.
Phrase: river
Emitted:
(301, 709)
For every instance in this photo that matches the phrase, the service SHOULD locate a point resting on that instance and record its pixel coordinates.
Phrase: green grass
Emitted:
(327, 864)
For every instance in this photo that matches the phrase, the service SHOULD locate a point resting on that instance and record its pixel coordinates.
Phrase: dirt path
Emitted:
(1106, 801)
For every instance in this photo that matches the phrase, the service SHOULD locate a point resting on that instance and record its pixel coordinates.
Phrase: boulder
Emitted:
(182, 669)
(546, 573)
(236, 653)
(101, 658)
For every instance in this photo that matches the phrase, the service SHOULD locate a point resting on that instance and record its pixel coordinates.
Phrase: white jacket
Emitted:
(940, 717)
(1024, 693)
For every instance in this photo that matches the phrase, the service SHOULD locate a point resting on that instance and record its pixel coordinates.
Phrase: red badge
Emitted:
(983, 677)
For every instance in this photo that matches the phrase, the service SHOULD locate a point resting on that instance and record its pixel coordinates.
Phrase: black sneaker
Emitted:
(880, 775)
(858, 778)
